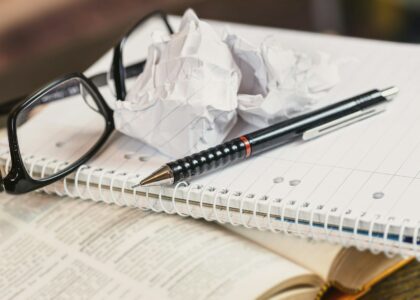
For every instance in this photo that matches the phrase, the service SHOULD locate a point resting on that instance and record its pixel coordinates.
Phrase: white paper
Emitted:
(186, 98)
(280, 81)
(56, 248)
(195, 83)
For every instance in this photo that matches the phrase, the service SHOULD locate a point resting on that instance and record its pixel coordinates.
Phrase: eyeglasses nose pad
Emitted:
(110, 83)
(88, 99)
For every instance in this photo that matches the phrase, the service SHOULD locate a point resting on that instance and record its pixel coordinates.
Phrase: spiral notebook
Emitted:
(358, 186)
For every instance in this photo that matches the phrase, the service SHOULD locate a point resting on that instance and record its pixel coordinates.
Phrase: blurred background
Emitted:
(42, 39)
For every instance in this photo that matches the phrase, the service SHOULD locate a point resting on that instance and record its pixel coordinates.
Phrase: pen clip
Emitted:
(342, 122)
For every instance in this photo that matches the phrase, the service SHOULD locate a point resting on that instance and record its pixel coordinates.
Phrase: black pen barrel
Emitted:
(286, 131)
(268, 138)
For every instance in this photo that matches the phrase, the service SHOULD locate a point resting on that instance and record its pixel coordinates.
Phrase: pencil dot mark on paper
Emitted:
(278, 200)
(250, 196)
(278, 179)
(143, 158)
(264, 198)
(378, 195)
(224, 191)
(128, 155)
(294, 182)
(211, 189)
(237, 194)
(59, 144)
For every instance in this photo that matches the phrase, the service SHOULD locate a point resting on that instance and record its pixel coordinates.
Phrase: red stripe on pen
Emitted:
(245, 140)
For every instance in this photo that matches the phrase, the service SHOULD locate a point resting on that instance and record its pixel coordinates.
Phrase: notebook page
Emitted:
(345, 171)
(368, 171)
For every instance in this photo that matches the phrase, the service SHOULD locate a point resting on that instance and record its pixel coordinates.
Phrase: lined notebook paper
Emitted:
(357, 186)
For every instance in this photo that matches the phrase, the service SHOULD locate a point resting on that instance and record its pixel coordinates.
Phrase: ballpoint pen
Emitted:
(306, 127)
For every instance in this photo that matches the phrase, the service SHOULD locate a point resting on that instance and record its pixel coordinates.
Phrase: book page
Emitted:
(316, 256)
(61, 248)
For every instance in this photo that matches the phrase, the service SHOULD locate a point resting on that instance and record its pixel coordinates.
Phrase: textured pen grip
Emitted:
(209, 159)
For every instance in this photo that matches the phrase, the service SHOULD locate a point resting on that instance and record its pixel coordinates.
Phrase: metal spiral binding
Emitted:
(343, 241)
(174, 205)
(152, 203)
(58, 167)
(313, 236)
(282, 218)
(229, 215)
(169, 211)
(136, 203)
(46, 189)
(241, 213)
(33, 164)
(124, 187)
(270, 223)
(111, 188)
(202, 194)
(147, 206)
(101, 178)
(187, 200)
(401, 238)
(370, 233)
(327, 231)
(387, 249)
(67, 191)
(354, 236)
(297, 215)
(390, 248)
(76, 181)
(215, 213)
(88, 178)
(254, 217)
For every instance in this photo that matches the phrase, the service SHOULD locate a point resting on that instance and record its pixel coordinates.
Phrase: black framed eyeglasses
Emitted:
(75, 94)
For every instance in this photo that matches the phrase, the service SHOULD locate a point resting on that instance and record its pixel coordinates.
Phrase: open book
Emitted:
(62, 248)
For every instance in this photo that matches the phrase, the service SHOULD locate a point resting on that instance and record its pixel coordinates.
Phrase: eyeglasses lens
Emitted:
(57, 129)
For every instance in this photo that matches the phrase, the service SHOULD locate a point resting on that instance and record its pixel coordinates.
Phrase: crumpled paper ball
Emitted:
(195, 83)
(186, 98)
(279, 82)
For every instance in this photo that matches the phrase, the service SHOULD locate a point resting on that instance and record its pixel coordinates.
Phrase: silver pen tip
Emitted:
(390, 93)
(162, 176)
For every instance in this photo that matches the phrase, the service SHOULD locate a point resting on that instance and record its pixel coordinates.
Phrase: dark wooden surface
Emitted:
(66, 39)
(403, 284)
